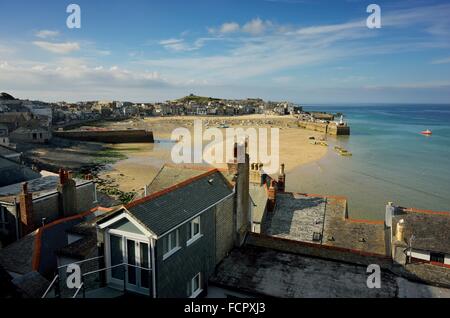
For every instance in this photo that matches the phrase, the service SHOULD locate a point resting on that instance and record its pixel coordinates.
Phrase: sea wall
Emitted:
(107, 136)
(330, 129)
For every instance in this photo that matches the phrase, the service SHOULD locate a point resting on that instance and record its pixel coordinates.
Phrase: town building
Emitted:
(419, 236)
(24, 207)
(13, 172)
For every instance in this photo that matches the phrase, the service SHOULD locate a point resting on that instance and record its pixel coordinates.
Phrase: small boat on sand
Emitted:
(426, 132)
(342, 151)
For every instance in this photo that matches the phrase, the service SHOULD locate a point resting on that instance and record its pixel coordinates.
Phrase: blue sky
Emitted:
(305, 51)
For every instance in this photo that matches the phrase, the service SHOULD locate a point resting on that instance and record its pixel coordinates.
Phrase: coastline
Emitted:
(145, 160)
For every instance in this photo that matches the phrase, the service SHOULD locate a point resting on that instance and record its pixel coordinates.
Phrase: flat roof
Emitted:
(267, 272)
(322, 220)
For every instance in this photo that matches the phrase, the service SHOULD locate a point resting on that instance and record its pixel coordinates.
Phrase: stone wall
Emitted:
(321, 251)
(110, 136)
(330, 129)
(224, 229)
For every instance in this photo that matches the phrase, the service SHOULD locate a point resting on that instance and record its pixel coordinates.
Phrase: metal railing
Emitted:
(99, 282)
(81, 262)
(78, 290)
(51, 286)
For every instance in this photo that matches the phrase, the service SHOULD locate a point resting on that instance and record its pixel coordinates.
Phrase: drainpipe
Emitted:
(16, 219)
(153, 245)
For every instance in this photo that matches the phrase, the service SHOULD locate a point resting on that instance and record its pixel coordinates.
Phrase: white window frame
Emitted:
(177, 247)
(197, 236)
(195, 293)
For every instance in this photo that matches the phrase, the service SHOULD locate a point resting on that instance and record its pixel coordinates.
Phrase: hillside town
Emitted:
(194, 231)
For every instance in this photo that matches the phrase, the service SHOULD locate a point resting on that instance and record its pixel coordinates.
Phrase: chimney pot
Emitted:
(272, 196)
(25, 187)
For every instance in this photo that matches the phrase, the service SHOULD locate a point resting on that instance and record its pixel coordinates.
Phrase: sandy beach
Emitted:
(145, 160)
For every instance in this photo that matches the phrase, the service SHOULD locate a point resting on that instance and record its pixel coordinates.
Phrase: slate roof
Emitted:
(431, 230)
(168, 208)
(18, 257)
(39, 187)
(265, 272)
(300, 217)
(36, 251)
(170, 175)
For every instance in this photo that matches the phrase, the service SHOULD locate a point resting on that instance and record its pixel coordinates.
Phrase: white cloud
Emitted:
(44, 34)
(75, 76)
(323, 29)
(59, 48)
(441, 61)
(180, 45)
(411, 86)
(256, 26)
(229, 27)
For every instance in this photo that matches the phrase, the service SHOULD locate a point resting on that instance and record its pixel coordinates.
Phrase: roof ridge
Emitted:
(170, 189)
(198, 167)
(419, 211)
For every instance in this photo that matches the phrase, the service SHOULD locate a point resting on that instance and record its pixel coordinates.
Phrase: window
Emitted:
(437, 257)
(171, 243)
(34, 136)
(194, 231)
(2, 218)
(196, 285)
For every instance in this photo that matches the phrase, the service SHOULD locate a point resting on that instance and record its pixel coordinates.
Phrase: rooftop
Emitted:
(36, 251)
(169, 175)
(39, 187)
(431, 230)
(267, 272)
(164, 210)
(8, 153)
(322, 220)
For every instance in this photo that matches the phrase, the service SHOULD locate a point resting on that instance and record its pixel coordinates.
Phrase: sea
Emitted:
(391, 162)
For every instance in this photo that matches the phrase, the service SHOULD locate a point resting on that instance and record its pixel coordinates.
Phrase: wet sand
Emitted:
(145, 160)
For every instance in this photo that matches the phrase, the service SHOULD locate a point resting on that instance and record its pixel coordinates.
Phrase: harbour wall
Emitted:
(109, 136)
(330, 129)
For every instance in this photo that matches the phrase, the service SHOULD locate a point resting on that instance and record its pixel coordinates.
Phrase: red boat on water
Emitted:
(426, 132)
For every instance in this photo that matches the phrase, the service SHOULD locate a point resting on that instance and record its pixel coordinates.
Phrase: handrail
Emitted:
(102, 269)
(50, 286)
(111, 267)
(80, 262)
(78, 290)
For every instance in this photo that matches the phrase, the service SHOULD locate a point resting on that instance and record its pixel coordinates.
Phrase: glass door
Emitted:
(116, 258)
(134, 255)
(131, 261)
(144, 261)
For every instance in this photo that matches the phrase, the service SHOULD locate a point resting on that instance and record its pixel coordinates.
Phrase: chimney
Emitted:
(400, 232)
(390, 212)
(67, 194)
(272, 196)
(282, 179)
(242, 214)
(26, 210)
